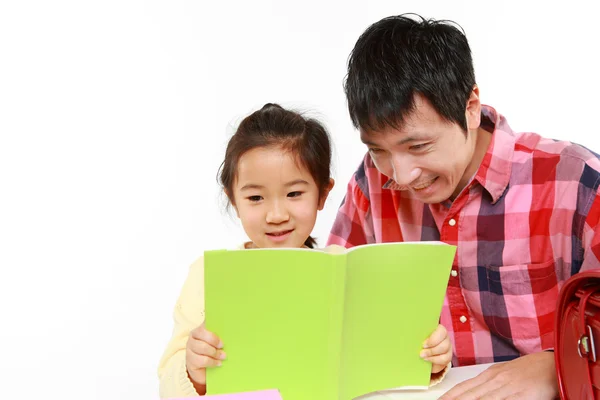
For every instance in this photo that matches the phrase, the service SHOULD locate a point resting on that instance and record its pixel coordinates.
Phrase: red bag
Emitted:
(577, 337)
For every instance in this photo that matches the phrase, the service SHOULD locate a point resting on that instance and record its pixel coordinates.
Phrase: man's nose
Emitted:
(405, 170)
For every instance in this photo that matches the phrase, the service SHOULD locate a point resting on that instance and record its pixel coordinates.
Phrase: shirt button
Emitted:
(452, 222)
(463, 319)
(454, 273)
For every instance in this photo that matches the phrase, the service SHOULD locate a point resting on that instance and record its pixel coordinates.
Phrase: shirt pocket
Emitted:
(520, 300)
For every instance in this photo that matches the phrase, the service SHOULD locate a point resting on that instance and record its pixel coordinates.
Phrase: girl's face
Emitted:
(276, 198)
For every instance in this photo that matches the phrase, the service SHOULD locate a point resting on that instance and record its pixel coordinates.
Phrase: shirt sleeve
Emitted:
(353, 225)
(188, 315)
(591, 237)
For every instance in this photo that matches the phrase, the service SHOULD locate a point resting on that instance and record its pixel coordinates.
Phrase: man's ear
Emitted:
(473, 110)
(232, 202)
(325, 194)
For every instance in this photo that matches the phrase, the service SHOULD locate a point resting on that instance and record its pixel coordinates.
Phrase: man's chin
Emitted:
(435, 198)
(432, 201)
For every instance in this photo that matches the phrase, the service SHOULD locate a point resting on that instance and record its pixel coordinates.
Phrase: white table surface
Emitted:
(454, 377)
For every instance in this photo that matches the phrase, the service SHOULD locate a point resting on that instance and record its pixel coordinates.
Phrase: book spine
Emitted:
(337, 320)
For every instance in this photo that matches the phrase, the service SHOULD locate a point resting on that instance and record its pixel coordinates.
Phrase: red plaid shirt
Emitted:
(526, 222)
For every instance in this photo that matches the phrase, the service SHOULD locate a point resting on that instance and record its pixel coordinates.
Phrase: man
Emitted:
(522, 210)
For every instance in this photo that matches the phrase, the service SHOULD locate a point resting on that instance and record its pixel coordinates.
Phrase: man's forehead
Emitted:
(406, 131)
(419, 120)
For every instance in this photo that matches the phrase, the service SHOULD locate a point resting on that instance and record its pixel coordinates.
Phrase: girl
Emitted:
(276, 175)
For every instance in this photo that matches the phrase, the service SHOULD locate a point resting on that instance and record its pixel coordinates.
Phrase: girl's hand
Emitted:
(437, 349)
(203, 350)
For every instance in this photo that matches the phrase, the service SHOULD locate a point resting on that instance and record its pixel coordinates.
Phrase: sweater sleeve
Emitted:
(188, 315)
(438, 377)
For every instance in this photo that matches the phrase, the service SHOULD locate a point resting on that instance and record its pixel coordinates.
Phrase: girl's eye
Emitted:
(294, 194)
(255, 199)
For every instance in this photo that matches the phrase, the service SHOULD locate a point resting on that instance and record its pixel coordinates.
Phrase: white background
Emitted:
(113, 121)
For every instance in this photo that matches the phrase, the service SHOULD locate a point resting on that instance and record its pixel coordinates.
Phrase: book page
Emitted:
(279, 314)
(394, 296)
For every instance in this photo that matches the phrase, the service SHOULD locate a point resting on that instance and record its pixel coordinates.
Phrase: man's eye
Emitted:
(419, 146)
(294, 194)
(375, 150)
(255, 198)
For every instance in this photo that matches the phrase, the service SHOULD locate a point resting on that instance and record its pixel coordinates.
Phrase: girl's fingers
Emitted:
(195, 361)
(200, 333)
(439, 362)
(197, 375)
(435, 368)
(436, 337)
(204, 349)
(442, 348)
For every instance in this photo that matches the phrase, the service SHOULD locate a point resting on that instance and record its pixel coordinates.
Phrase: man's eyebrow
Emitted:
(410, 139)
(368, 142)
(400, 142)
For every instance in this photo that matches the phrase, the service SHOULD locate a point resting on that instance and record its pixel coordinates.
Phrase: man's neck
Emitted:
(482, 139)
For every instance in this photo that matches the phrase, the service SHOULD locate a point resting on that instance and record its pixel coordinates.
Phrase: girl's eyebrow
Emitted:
(296, 182)
(254, 186)
(251, 186)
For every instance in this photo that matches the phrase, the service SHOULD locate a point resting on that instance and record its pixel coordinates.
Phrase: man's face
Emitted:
(429, 156)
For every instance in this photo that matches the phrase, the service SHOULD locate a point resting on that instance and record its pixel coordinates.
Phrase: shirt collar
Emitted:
(495, 169)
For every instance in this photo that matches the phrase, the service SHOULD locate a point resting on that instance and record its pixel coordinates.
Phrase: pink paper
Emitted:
(262, 395)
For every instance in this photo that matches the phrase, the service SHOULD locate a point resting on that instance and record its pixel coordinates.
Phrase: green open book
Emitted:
(323, 324)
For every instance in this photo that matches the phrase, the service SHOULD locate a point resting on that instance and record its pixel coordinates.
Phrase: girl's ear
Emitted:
(325, 194)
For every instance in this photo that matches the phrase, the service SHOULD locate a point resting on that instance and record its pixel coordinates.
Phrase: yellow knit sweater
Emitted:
(188, 315)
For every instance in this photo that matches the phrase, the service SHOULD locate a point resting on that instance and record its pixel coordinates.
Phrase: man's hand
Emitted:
(531, 377)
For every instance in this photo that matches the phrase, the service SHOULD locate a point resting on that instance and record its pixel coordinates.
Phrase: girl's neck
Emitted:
(251, 245)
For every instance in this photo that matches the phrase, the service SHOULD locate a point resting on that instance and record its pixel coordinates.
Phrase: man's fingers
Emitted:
(503, 392)
(200, 333)
(511, 380)
(459, 390)
(490, 390)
